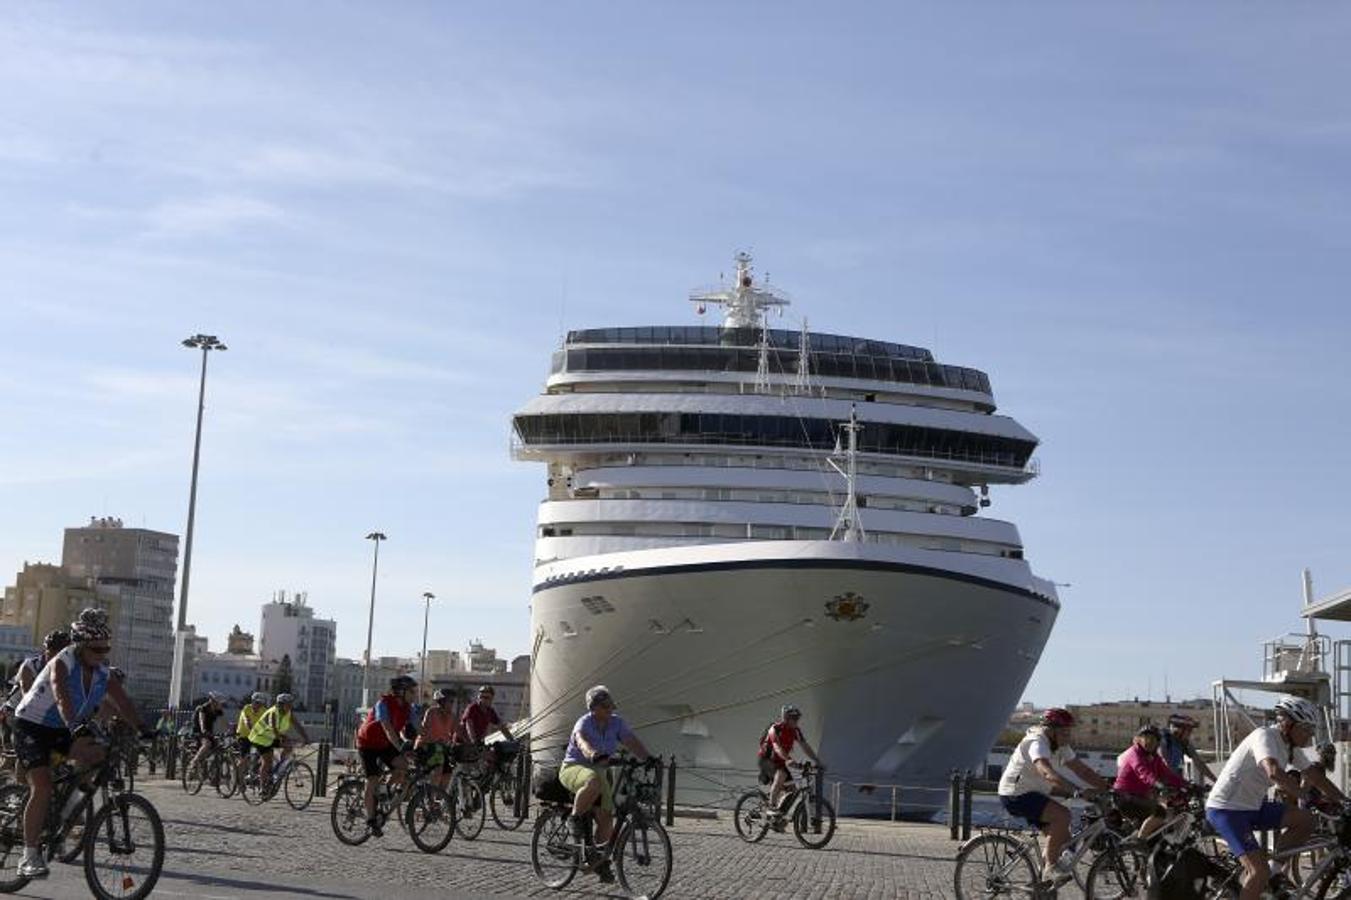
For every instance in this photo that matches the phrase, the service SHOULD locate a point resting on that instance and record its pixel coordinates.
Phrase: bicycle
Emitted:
(293, 777)
(998, 863)
(428, 814)
(640, 849)
(218, 769)
(465, 791)
(117, 831)
(496, 781)
(812, 815)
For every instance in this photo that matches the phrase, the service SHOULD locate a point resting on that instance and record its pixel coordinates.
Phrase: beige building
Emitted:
(1112, 726)
(45, 597)
(511, 690)
(239, 642)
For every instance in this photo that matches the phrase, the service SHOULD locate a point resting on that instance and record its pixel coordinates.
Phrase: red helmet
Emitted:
(1055, 717)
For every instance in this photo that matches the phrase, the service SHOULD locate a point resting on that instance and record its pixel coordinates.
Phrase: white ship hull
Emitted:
(905, 662)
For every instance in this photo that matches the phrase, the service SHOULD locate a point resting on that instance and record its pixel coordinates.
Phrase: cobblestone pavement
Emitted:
(227, 850)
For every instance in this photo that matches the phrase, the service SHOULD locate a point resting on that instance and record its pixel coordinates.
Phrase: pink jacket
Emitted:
(1138, 772)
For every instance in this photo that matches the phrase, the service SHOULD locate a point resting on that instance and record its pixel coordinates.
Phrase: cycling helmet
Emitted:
(1150, 730)
(789, 710)
(259, 697)
(56, 641)
(1297, 710)
(284, 699)
(598, 695)
(1055, 717)
(1178, 720)
(402, 682)
(92, 625)
(441, 695)
(486, 689)
(215, 697)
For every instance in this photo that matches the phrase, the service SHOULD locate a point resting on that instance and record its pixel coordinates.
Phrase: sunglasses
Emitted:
(99, 650)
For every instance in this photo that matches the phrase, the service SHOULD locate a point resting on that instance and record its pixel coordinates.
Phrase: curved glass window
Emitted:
(695, 335)
(822, 363)
(769, 431)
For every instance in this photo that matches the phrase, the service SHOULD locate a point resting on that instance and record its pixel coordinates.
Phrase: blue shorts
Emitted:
(1236, 826)
(1028, 806)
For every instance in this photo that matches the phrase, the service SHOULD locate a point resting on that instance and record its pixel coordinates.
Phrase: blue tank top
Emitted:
(39, 704)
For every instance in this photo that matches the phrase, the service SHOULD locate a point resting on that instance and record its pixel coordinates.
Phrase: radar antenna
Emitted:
(745, 304)
(848, 527)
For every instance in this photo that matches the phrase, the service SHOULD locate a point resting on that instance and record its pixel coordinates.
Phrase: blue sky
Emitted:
(1135, 218)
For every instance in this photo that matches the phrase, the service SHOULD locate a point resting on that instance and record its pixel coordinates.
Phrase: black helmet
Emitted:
(401, 682)
(1149, 730)
(56, 640)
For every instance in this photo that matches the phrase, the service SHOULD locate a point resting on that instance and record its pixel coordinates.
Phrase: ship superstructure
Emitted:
(740, 516)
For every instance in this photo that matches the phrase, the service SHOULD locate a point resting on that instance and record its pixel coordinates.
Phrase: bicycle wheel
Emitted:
(299, 786)
(430, 818)
(13, 798)
(751, 816)
(993, 865)
(805, 818)
(1336, 884)
(469, 811)
(124, 852)
(643, 858)
(1116, 873)
(502, 801)
(553, 855)
(193, 777)
(348, 813)
(224, 776)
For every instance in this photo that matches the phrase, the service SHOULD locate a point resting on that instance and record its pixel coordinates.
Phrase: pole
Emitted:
(954, 804)
(426, 615)
(192, 498)
(377, 537)
(966, 805)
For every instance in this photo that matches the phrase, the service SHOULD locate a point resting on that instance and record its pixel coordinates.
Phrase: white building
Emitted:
(232, 674)
(290, 629)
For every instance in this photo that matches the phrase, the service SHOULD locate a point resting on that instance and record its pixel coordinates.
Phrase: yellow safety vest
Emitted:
(246, 721)
(269, 725)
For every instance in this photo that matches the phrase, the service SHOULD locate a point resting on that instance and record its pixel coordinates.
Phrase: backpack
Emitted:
(1189, 875)
(766, 750)
(548, 789)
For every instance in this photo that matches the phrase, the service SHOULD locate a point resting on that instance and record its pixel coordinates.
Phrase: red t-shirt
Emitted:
(389, 709)
(787, 735)
(476, 720)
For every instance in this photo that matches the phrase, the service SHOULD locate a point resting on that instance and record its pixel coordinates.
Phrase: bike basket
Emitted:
(507, 750)
(548, 789)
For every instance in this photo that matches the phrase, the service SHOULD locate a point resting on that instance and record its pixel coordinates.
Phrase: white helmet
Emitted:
(1297, 710)
(215, 697)
(259, 697)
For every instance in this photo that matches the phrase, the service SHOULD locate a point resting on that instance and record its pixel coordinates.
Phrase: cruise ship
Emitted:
(740, 516)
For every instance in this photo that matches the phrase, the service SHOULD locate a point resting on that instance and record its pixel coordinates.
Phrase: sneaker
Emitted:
(373, 825)
(33, 867)
(605, 872)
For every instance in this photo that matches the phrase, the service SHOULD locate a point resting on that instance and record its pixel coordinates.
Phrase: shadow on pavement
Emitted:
(239, 884)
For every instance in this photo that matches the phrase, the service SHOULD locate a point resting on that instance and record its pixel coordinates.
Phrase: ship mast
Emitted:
(848, 526)
(745, 305)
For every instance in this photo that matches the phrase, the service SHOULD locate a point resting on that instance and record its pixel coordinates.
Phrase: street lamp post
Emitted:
(377, 537)
(206, 343)
(428, 596)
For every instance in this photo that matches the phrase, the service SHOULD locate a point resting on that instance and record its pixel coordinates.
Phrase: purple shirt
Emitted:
(602, 741)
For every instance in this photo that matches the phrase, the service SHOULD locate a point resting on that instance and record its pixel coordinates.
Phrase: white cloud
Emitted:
(210, 215)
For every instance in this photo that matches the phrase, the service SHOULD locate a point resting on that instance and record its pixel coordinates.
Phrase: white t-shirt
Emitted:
(1242, 784)
(1021, 776)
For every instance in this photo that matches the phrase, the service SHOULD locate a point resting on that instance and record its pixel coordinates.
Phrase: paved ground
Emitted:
(227, 850)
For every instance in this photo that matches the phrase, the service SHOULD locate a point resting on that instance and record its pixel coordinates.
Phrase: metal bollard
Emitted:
(893, 803)
(321, 763)
(954, 804)
(171, 757)
(966, 805)
(521, 806)
(670, 795)
(661, 784)
(820, 777)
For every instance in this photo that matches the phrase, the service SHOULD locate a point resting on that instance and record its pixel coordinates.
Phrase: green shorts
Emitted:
(576, 776)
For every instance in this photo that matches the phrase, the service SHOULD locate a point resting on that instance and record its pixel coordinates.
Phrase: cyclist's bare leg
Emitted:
(587, 796)
(1055, 821)
(1151, 825)
(778, 787)
(200, 755)
(35, 812)
(1256, 873)
(372, 782)
(265, 772)
(605, 826)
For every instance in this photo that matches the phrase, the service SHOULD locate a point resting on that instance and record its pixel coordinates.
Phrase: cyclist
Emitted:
(55, 641)
(1140, 773)
(248, 717)
(1237, 805)
(476, 723)
(438, 728)
(268, 732)
(1175, 745)
(595, 737)
(204, 718)
(64, 696)
(1044, 763)
(380, 741)
(776, 753)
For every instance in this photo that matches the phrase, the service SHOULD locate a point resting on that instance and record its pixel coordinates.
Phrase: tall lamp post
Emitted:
(427, 596)
(377, 537)
(206, 343)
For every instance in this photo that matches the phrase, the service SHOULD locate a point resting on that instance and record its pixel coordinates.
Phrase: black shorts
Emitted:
(33, 743)
(377, 761)
(770, 766)
(243, 745)
(265, 749)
